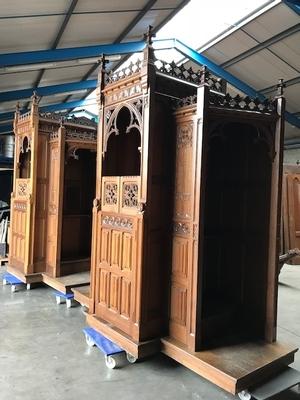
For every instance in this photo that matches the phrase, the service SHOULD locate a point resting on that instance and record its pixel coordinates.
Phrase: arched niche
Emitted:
(122, 156)
(24, 159)
(236, 217)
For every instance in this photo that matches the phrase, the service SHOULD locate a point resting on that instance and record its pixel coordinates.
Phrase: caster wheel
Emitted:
(13, 288)
(58, 300)
(131, 358)
(69, 303)
(110, 362)
(89, 341)
(244, 395)
(28, 286)
(4, 282)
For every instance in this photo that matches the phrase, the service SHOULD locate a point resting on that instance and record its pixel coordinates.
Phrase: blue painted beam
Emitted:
(65, 54)
(294, 5)
(7, 116)
(48, 90)
(6, 128)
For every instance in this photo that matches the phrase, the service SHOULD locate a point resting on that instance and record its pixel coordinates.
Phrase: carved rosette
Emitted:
(118, 222)
(110, 193)
(130, 195)
(23, 189)
(185, 135)
(52, 209)
(181, 228)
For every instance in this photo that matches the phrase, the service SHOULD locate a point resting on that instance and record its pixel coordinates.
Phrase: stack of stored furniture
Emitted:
(52, 199)
(219, 260)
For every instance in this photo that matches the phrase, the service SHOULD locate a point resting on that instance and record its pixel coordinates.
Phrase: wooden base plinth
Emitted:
(138, 350)
(236, 367)
(82, 295)
(64, 284)
(31, 278)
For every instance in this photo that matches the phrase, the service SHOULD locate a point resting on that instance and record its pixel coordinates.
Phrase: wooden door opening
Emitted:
(236, 233)
(24, 160)
(79, 192)
(122, 156)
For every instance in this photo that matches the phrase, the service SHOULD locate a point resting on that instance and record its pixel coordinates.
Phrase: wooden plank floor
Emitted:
(233, 367)
(65, 283)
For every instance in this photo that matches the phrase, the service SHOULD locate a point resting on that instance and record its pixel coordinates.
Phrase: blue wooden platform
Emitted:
(105, 345)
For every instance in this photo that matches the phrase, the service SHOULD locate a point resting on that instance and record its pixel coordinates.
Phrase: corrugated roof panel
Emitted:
(262, 69)
(292, 94)
(289, 50)
(17, 80)
(33, 7)
(272, 22)
(8, 106)
(109, 5)
(153, 17)
(60, 75)
(165, 3)
(230, 47)
(84, 29)
(28, 33)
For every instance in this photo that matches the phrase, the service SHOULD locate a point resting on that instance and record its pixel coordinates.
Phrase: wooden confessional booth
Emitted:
(53, 192)
(207, 272)
(226, 238)
(131, 245)
(291, 211)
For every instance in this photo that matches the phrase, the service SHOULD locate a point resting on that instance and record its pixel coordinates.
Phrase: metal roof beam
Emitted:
(72, 53)
(6, 128)
(294, 5)
(48, 90)
(263, 45)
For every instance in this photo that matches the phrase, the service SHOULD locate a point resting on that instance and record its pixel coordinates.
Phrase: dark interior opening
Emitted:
(79, 193)
(236, 225)
(25, 160)
(123, 157)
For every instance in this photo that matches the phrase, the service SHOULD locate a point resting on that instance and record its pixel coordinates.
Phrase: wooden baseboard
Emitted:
(31, 278)
(233, 368)
(138, 350)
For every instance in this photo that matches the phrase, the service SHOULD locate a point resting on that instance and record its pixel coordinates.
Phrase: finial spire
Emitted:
(149, 35)
(280, 86)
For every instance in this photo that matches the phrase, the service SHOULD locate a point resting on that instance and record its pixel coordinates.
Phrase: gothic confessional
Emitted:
(131, 246)
(53, 191)
(226, 234)
(211, 170)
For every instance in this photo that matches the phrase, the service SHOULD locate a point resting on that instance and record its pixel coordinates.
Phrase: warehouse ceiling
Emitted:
(46, 25)
(53, 47)
(260, 50)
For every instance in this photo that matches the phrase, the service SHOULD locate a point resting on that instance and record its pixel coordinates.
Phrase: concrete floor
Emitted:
(43, 354)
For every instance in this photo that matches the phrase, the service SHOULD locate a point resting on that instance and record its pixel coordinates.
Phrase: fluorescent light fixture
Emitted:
(59, 64)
